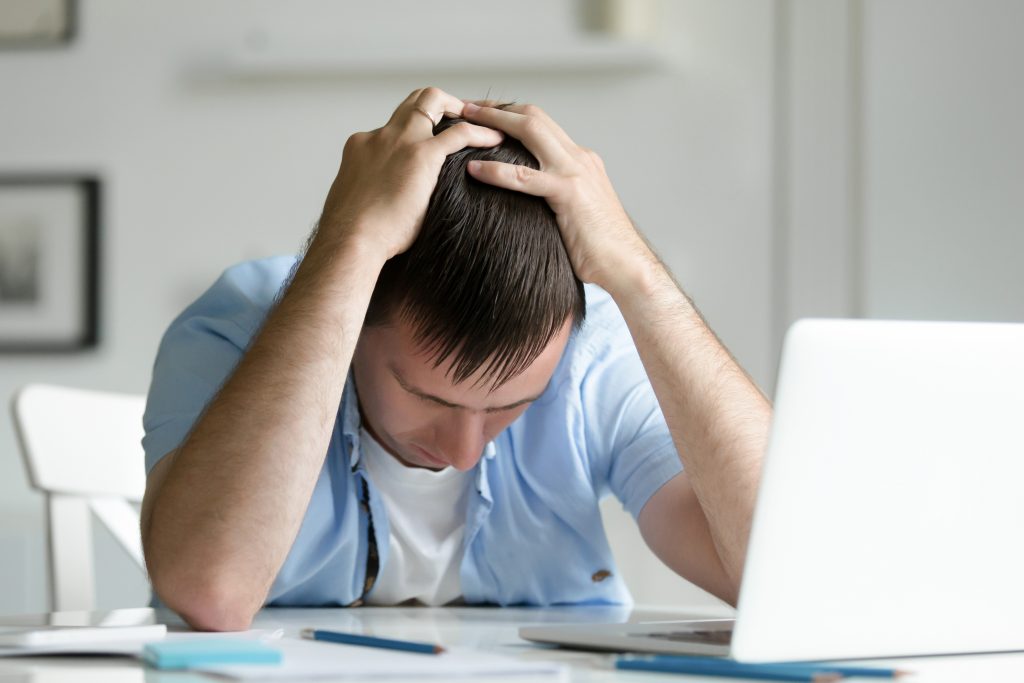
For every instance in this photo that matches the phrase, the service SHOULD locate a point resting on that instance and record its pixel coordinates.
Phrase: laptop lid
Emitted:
(890, 510)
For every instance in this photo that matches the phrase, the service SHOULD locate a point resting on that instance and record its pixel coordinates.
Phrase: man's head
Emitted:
(470, 322)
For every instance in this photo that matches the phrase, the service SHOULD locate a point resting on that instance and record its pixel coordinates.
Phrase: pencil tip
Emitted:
(826, 677)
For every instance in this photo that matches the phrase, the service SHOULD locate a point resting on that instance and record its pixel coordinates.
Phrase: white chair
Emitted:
(82, 450)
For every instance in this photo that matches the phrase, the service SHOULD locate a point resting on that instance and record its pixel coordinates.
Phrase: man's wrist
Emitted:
(339, 270)
(349, 240)
(632, 272)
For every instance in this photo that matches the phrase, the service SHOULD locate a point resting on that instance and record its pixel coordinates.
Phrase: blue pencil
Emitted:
(798, 667)
(817, 671)
(862, 671)
(370, 641)
(727, 668)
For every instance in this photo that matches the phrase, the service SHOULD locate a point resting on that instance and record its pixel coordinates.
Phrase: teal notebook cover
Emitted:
(187, 654)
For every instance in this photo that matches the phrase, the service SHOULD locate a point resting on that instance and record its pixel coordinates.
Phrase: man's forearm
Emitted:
(717, 416)
(232, 498)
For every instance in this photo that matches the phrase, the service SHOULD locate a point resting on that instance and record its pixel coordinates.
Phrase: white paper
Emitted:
(64, 636)
(314, 659)
(131, 648)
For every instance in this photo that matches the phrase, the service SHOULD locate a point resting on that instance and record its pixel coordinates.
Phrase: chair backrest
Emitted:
(83, 450)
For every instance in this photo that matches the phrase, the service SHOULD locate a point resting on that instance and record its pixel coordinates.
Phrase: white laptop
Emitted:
(890, 518)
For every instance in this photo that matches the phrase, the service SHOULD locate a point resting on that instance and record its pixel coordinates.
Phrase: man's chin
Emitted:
(408, 460)
(406, 456)
(423, 458)
(414, 456)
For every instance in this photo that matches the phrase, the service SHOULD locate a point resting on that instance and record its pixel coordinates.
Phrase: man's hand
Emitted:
(387, 175)
(603, 245)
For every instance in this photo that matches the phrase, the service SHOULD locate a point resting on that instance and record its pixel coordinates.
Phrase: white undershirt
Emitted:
(427, 517)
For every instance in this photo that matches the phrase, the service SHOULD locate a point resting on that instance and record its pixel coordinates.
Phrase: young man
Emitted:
(433, 420)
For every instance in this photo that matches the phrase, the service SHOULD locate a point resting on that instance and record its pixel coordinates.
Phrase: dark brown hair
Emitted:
(488, 281)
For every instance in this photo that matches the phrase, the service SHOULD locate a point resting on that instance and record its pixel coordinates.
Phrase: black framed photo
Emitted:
(49, 263)
(36, 24)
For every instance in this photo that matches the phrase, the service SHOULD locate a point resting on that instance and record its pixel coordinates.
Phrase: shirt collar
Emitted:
(350, 421)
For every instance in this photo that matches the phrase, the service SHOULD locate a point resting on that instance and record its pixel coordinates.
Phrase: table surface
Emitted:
(484, 628)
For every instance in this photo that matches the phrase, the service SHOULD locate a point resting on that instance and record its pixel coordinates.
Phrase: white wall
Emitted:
(790, 157)
(901, 160)
(944, 160)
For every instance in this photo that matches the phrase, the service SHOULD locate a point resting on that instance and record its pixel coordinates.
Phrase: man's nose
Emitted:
(462, 439)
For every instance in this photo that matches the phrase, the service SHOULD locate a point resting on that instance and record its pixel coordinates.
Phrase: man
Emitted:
(299, 456)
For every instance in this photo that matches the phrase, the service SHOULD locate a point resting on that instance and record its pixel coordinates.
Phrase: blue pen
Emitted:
(818, 667)
(861, 671)
(727, 668)
(370, 641)
(798, 669)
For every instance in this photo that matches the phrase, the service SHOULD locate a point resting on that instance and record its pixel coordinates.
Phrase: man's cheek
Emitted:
(407, 420)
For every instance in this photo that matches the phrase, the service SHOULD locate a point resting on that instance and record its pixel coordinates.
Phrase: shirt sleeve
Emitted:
(201, 348)
(631, 449)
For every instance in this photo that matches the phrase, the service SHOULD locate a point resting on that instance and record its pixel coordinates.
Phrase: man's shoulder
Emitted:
(257, 282)
(599, 344)
(604, 328)
(243, 294)
(600, 305)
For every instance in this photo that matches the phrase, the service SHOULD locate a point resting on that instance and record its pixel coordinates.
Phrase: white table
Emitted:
(488, 629)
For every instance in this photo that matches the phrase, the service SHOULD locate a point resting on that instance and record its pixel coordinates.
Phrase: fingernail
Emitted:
(473, 166)
(470, 108)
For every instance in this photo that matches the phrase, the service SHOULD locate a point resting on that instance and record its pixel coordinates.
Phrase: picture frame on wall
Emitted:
(49, 263)
(36, 24)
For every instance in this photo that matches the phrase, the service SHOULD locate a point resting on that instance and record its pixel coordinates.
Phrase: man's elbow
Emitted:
(214, 615)
(208, 604)
(731, 598)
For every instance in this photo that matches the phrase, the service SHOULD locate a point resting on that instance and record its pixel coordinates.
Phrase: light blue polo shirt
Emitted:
(533, 527)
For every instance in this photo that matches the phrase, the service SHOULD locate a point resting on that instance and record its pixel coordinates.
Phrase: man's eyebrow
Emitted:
(437, 399)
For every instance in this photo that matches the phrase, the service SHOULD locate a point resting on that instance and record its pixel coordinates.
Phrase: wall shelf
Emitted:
(581, 55)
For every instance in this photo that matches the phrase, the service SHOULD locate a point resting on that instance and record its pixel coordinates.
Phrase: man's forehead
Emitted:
(418, 347)
(416, 364)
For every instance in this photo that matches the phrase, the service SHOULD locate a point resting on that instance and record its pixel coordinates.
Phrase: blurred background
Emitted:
(787, 158)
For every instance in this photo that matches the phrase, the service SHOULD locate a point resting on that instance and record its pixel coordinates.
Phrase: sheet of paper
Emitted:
(313, 659)
(130, 648)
